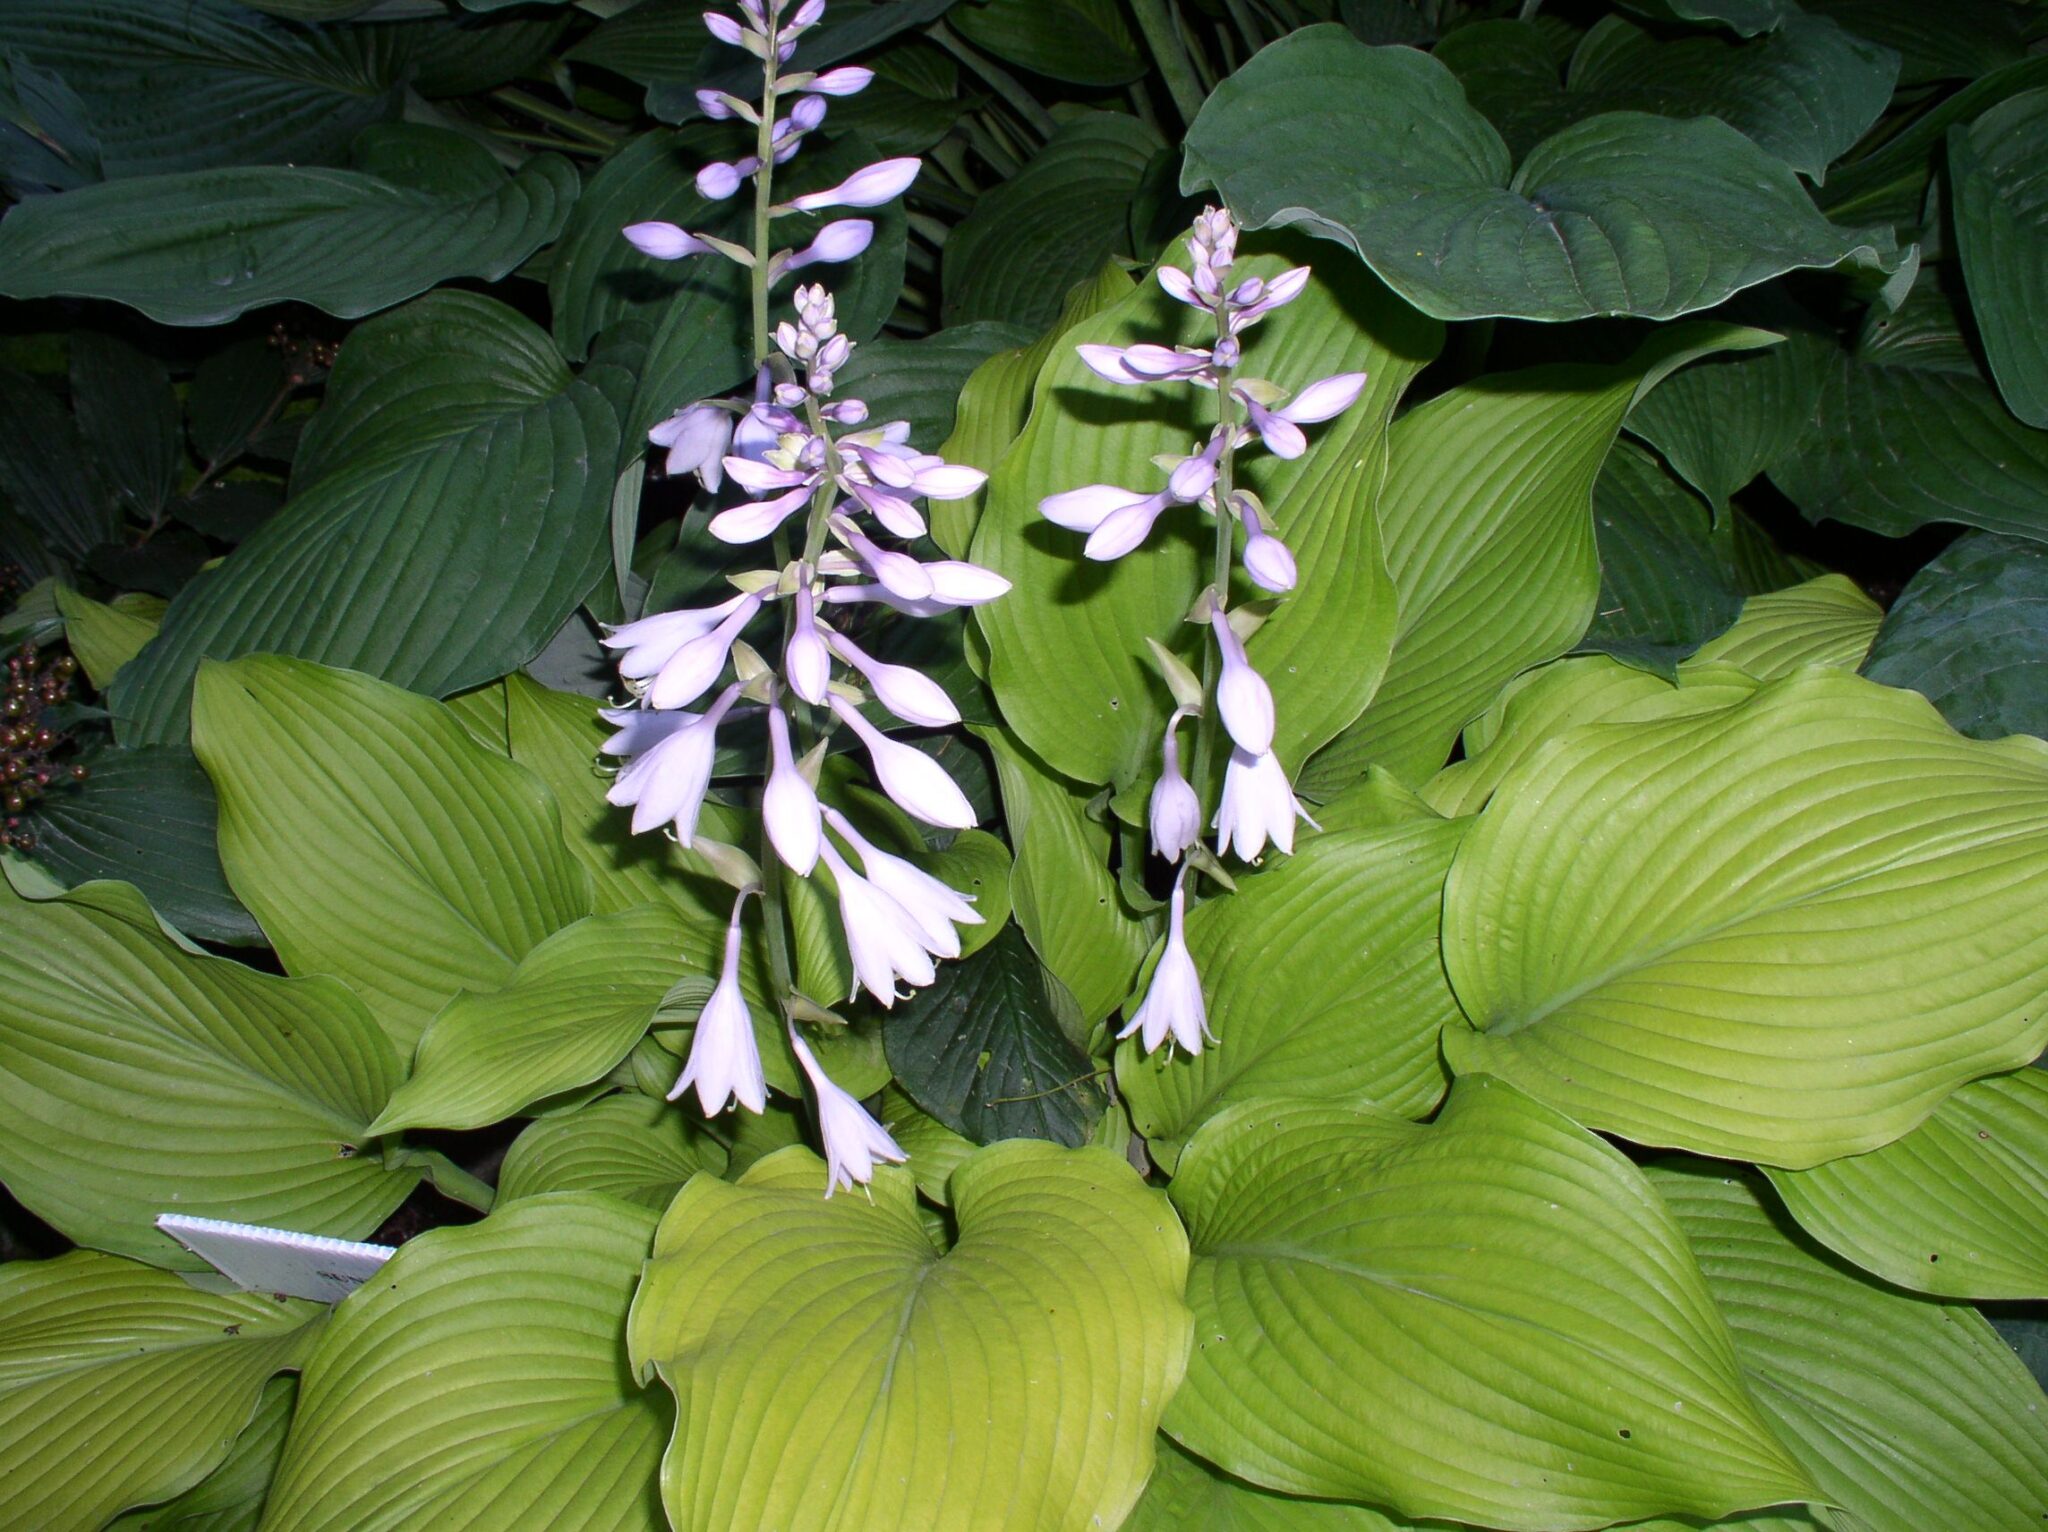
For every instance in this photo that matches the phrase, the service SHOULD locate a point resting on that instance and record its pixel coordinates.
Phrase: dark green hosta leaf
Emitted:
(1970, 633)
(1745, 18)
(1891, 448)
(920, 380)
(1512, 77)
(1323, 979)
(423, 205)
(1620, 214)
(1806, 91)
(1958, 41)
(46, 140)
(46, 476)
(128, 417)
(137, 1078)
(451, 508)
(1908, 1414)
(120, 1385)
(210, 83)
(441, 864)
(1957, 1208)
(1999, 166)
(478, 1383)
(145, 817)
(1832, 948)
(1068, 657)
(1012, 1383)
(639, 1148)
(1889, 184)
(467, 55)
(1049, 226)
(1668, 580)
(230, 1499)
(1722, 421)
(1536, 1343)
(1083, 42)
(990, 1049)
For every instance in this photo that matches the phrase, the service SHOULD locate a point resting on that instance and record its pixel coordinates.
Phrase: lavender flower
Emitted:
(854, 1141)
(1173, 1005)
(725, 1061)
(1176, 813)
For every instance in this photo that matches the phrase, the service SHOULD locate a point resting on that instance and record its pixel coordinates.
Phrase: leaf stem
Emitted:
(999, 79)
(1175, 67)
(530, 106)
(1207, 726)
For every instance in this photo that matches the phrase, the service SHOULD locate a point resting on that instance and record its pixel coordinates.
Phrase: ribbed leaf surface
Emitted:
(639, 1148)
(1826, 621)
(1781, 931)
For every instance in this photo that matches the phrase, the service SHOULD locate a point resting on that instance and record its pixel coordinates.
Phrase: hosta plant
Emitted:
(1021, 767)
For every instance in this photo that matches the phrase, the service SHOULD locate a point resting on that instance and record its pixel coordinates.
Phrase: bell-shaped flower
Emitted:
(697, 664)
(665, 781)
(1173, 1005)
(697, 439)
(1258, 805)
(916, 783)
(910, 694)
(725, 1061)
(1243, 699)
(870, 186)
(853, 1140)
(881, 937)
(663, 241)
(932, 907)
(1086, 508)
(806, 663)
(901, 573)
(789, 804)
(1176, 813)
(1126, 527)
(756, 519)
(840, 240)
(652, 642)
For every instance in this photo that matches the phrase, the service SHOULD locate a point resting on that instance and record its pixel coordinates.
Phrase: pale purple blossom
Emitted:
(916, 783)
(663, 241)
(1243, 698)
(932, 907)
(1258, 806)
(668, 769)
(806, 662)
(1176, 813)
(910, 694)
(838, 241)
(847, 80)
(697, 439)
(1173, 1005)
(854, 1141)
(870, 186)
(789, 804)
(882, 938)
(725, 1061)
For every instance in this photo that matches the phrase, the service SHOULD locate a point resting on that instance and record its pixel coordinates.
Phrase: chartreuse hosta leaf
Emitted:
(440, 864)
(834, 1372)
(1909, 1414)
(2001, 219)
(1957, 1208)
(1826, 621)
(454, 455)
(479, 1382)
(1488, 520)
(1323, 979)
(121, 1385)
(106, 636)
(230, 1499)
(639, 1148)
(1061, 889)
(1624, 213)
(1781, 931)
(1067, 648)
(1186, 1493)
(1491, 1319)
(576, 1004)
(138, 1079)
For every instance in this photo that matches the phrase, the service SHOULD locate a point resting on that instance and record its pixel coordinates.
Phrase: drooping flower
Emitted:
(910, 694)
(697, 439)
(870, 186)
(806, 661)
(932, 907)
(1243, 698)
(1173, 1005)
(854, 1141)
(916, 783)
(882, 938)
(725, 1061)
(668, 769)
(1176, 813)
(789, 804)
(1258, 805)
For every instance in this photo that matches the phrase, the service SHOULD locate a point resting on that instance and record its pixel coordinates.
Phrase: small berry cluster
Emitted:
(28, 745)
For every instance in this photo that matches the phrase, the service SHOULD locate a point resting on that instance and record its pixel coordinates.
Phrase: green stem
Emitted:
(449, 1178)
(764, 202)
(1209, 726)
(530, 106)
(1156, 23)
(998, 79)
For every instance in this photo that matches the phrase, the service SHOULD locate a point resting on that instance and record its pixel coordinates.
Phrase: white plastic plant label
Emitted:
(264, 1260)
